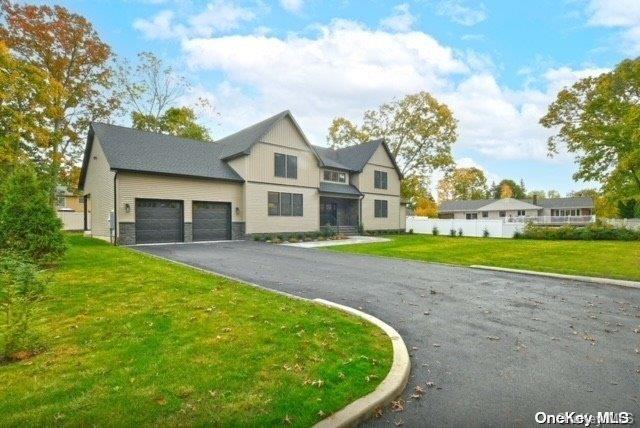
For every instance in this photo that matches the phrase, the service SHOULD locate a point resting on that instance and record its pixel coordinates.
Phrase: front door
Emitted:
(328, 214)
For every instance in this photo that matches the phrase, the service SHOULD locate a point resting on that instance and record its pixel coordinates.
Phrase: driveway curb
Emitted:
(361, 409)
(591, 279)
(389, 388)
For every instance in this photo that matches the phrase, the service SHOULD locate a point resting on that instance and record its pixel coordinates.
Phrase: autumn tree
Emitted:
(151, 91)
(598, 119)
(463, 183)
(66, 46)
(418, 129)
(27, 104)
(507, 189)
(426, 207)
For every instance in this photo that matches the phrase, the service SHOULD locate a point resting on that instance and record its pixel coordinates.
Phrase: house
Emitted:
(549, 211)
(68, 201)
(144, 187)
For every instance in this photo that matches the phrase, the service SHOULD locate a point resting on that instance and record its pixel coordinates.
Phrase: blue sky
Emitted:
(497, 64)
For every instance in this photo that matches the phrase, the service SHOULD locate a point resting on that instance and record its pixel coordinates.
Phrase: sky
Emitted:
(496, 64)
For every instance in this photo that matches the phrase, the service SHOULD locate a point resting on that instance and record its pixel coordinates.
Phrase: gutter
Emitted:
(115, 208)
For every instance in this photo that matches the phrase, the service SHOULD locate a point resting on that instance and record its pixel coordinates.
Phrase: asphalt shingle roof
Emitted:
(337, 188)
(475, 205)
(136, 150)
(240, 143)
(352, 158)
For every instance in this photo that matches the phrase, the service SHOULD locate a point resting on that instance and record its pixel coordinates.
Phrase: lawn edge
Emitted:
(579, 278)
(392, 385)
(362, 408)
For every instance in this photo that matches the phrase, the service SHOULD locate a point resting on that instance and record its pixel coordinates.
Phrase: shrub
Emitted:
(485, 233)
(452, 232)
(29, 225)
(460, 232)
(257, 238)
(594, 231)
(410, 231)
(20, 287)
(435, 231)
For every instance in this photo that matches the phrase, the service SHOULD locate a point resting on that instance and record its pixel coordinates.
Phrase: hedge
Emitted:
(592, 232)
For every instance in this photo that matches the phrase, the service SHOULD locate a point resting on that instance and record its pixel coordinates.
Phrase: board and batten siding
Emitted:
(147, 186)
(380, 161)
(98, 184)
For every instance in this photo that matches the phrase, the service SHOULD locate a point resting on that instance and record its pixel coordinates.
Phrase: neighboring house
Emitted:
(554, 210)
(68, 201)
(266, 178)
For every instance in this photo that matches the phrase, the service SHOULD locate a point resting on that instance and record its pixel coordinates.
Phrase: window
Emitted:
(379, 179)
(380, 208)
(472, 216)
(297, 205)
(274, 203)
(284, 204)
(502, 213)
(521, 213)
(285, 165)
(337, 176)
(485, 214)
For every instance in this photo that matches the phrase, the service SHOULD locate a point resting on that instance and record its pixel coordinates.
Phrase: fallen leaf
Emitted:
(430, 384)
(493, 338)
(397, 405)
(377, 413)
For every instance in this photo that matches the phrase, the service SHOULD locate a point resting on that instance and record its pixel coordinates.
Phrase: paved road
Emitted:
(499, 347)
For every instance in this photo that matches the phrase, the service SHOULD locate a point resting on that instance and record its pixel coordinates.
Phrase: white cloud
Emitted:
(401, 21)
(218, 17)
(622, 14)
(461, 13)
(346, 68)
(294, 6)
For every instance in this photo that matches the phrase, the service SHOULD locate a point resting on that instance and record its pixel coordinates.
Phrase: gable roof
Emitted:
(489, 204)
(571, 202)
(241, 142)
(353, 158)
(128, 149)
(507, 204)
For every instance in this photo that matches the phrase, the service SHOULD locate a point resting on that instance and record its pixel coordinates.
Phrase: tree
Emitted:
(418, 130)
(68, 48)
(507, 189)
(553, 194)
(597, 120)
(540, 194)
(27, 104)
(29, 226)
(426, 207)
(463, 183)
(413, 189)
(151, 90)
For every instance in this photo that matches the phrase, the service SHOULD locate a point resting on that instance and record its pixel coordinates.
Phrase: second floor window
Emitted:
(379, 179)
(337, 176)
(286, 165)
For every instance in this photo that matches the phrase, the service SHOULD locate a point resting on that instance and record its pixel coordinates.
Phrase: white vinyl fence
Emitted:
(496, 228)
(72, 220)
(629, 223)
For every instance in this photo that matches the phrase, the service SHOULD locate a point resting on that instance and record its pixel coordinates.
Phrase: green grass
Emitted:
(611, 259)
(132, 340)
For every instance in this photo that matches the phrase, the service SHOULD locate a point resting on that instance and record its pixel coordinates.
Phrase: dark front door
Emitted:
(211, 221)
(328, 213)
(158, 220)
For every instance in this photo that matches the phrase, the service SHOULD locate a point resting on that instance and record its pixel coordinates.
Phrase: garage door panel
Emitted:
(211, 221)
(158, 221)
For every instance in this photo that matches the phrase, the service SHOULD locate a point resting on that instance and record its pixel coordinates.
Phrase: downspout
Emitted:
(115, 209)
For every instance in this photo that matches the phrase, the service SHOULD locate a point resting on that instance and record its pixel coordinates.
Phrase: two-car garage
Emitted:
(162, 220)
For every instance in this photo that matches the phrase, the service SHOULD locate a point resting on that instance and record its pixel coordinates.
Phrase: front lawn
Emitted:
(132, 340)
(611, 259)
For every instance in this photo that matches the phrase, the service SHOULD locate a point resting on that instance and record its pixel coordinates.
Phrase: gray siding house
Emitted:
(549, 211)
(144, 187)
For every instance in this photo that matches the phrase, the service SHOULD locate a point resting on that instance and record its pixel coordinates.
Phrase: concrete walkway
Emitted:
(329, 243)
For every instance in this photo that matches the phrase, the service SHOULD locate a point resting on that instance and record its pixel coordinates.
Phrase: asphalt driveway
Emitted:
(498, 347)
